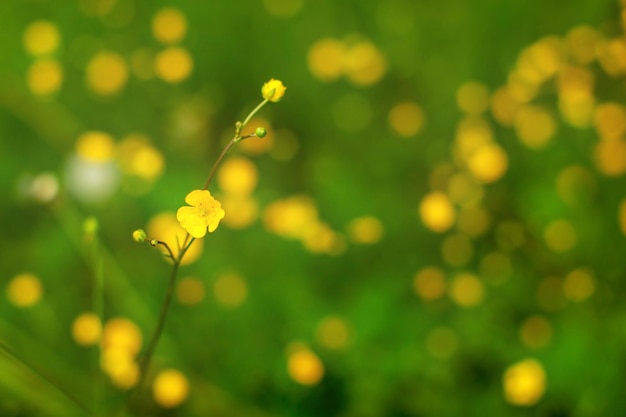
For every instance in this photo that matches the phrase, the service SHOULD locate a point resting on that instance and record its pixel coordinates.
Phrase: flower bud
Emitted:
(273, 90)
(260, 132)
(139, 235)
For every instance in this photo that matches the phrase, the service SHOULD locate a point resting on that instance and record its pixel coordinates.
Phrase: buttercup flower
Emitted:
(273, 90)
(205, 213)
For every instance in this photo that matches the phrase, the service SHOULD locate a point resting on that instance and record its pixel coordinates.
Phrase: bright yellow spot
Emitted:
(237, 175)
(430, 283)
(510, 235)
(95, 146)
(612, 56)
(230, 290)
(535, 332)
(169, 25)
(166, 228)
(364, 64)
(320, 238)
(473, 220)
(463, 189)
(575, 83)
(550, 294)
(610, 157)
(41, 38)
(242, 211)
(582, 42)
(457, 249)
(504, 107)
(44, 77)
(304, 367)
(488, 163)
(471, 135)
(560, 236)
(121, 333)
(547, 56)
(578, 112)
(273, 90)
(496, 267)
(437, 212)
(139, 158)
(472, 98)
(120, 366)
(578, 285)
(291, 217)
(442, 342)
(534, 126)
(365, 230)
(575, 184)
(333, 332)
(87, 329)
(107, 73)
(610, 120)
(257, 146)
(524, 382)
(466, 290)
(173, 64)
(24, 290)
(283, 8)
(170, 388)
(325, 59)
(406, 119)
(190, 291)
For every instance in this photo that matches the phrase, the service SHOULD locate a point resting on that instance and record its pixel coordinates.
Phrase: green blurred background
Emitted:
(434, 225)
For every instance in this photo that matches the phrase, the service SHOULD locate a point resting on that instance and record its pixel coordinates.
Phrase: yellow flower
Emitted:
(205, 212)
(273, 90)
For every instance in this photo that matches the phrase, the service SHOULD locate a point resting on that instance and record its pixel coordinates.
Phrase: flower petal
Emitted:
(192, 221)
(197, 196)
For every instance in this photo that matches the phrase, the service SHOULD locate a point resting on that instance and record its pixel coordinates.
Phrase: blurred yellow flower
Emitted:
(205, 212)
(273, 90)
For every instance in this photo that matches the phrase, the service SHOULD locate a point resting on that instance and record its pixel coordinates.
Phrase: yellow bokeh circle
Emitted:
(24, 290)
(237, 175)
(437, 212)
(406, 119)
(44, 77)
(95, 146)
(305, 367)
(170, 388)
(86, 329)
(524, 382)
(169, 25)
(41, 38)
(106, 73)
(173, 64)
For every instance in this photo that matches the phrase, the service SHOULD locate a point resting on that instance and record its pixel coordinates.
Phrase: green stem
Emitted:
(217, 163)
(253, 112)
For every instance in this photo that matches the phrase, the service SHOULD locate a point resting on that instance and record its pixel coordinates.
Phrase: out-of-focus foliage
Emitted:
(433, 225)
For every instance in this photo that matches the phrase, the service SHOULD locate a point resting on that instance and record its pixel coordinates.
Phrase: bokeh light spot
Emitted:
(169, 25)
(333, 332)
(504, 107)
(524, 382)
(283, 8)
(442, 342)
(237, 175)
(190, 291)
(430, 283)
(87, 329)
(488, 163)
(535, 332)
(364, 64)
(95, 146)
(107, 73)
(466, 290)
(457, 249)
(437, 212)
(560, 236)
(581, 42)
(24, 290)
(173, 64)
(365, 230)
(170, 388)
(610, 120)
(472, 98)
(578, 285)
(406, 119)
(325, 59)
(610, 157)
(41, 38)
(473, 220)
(230, 290)
(121, 333)
(45, 77)
(305, 367)
(241, 211)
(534, 126)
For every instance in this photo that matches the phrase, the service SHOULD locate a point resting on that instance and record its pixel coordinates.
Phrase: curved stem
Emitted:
(217, 163)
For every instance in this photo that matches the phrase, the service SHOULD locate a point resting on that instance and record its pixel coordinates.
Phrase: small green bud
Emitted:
(139, 235)
(260, 132)
(154, 242)
(238, 126)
